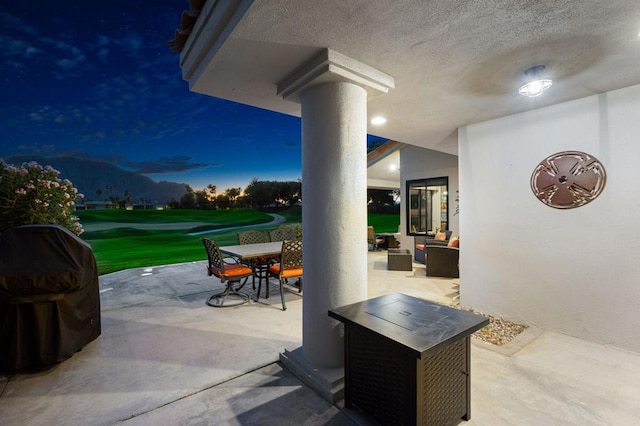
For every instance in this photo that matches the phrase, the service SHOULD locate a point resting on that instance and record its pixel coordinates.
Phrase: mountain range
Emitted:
(100, 181)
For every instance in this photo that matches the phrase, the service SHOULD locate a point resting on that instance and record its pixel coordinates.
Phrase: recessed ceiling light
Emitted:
(377, 120)
(393, 167)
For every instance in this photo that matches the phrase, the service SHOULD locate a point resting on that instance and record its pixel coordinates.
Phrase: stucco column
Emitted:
(332, 90)
(334, 213)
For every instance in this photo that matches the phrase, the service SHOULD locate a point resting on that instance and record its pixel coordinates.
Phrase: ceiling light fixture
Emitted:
(536, 84)
(378, 120)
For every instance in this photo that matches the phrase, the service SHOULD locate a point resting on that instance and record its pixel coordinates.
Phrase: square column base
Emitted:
(327, 382)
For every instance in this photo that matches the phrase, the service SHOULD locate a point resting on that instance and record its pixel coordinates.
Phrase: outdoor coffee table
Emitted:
(399, 260)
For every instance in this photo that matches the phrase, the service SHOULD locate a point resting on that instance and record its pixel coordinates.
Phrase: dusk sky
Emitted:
(95, 79)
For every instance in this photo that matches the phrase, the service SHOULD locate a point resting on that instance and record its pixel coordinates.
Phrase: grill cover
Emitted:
(49, 296)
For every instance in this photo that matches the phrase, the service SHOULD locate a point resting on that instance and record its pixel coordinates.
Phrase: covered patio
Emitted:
(447, 78)
(166, 358)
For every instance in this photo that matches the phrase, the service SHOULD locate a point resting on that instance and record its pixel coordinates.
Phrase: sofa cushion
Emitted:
(454, 242)
(440, 236)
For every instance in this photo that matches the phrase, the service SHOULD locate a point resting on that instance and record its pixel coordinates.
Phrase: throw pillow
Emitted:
(454, 242)
(440, 236)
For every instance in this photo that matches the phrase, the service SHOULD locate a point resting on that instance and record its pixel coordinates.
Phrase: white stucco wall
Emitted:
(575, 271)
(421, 163)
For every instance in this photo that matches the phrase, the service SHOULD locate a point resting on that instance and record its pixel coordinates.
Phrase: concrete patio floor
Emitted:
(165, 358)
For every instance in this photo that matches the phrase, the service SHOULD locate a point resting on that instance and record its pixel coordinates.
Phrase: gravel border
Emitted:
(499, 332)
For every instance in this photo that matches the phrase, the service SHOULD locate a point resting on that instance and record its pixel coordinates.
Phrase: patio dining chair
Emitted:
(230, 273)
(290, 266)
(282, 234)
(252, 237)
(372, 239)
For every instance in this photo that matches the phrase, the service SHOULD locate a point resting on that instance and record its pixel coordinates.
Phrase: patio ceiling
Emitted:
(454, 62)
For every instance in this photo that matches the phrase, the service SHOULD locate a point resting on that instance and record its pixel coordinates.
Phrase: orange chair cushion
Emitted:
(454, 242)
(232, 270)
(287, 273)
(440, 236)
(290, 273)
(274, 269)
(420, 246)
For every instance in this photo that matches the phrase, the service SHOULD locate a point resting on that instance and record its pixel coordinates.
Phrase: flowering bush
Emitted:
(33, 194)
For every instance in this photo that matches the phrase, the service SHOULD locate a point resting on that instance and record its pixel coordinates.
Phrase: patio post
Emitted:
(334, 214)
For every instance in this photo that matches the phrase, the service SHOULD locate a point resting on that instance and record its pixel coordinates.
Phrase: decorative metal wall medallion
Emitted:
(568, 179)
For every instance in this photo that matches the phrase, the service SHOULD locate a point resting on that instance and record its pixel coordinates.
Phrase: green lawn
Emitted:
(218, 218)
(130, 247)
(384, 222)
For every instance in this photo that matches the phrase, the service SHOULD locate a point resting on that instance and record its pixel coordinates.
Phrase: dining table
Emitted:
(250, 252)
(258, 255)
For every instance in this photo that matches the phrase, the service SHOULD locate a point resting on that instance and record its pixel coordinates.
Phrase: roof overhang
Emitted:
(454, 63)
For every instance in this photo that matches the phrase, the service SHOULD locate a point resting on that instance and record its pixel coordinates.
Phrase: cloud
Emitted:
(14, 65)
(27, 43)
(31, 51)
(13, 47)
(103, 53)
(103, 40)
(16, 24)
(36, 116)
(52, 150)
(114, 94)
(132, 43)
(47, 150)
(33, 149)
(71, 63)
(167, 165)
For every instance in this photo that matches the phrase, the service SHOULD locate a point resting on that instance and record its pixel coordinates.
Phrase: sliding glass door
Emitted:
(427, 210)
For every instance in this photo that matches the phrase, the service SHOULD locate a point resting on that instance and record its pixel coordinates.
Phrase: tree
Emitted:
(289, 192)
(266, 193)
(212, 191)
(209, 197)
(128, 199)
(259, 193)
(202, 199)
(173, 204)
(222, 201)
(380, 196)
(232, 194)
(188, 200)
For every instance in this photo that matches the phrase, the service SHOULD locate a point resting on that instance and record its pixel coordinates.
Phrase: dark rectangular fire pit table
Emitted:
(407, 360)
